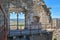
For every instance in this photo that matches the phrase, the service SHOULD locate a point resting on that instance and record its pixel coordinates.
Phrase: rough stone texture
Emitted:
(42, 36)
(38, 37)
(56, 34)
(31, 8)
(56, 27)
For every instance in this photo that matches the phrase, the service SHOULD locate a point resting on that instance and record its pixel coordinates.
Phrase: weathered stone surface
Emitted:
(31, 8)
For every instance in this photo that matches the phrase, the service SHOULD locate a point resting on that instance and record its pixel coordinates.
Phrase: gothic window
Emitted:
(17, 21)
(13, 20)
(21, 20)
(13, 17)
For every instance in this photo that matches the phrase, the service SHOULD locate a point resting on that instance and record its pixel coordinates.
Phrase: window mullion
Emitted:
(17, 20)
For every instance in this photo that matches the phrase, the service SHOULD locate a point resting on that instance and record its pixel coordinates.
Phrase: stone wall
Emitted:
(56, 34)
(41, 37)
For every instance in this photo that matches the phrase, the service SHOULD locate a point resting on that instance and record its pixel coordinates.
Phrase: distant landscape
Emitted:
(21, 23)
(20, 20)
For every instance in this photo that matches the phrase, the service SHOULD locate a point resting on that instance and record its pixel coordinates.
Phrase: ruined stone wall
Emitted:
(41, 37)
(56, 27)
(56, 34)
(33, 8)
(40, 9)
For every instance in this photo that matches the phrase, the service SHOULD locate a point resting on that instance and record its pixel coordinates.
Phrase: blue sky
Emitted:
(14, 16)
(55, 5)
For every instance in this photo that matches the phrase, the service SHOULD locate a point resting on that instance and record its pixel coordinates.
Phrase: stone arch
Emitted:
(37, 17)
